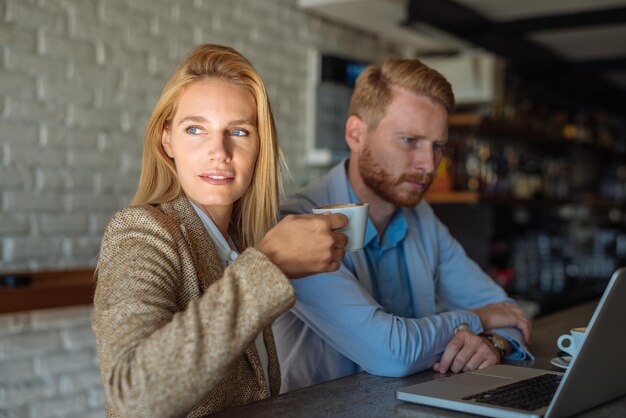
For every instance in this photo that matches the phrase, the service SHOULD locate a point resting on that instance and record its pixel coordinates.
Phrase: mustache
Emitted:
(417, 178)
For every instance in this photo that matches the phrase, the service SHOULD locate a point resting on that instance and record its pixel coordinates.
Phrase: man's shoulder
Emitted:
(307, 198)
(317, 193)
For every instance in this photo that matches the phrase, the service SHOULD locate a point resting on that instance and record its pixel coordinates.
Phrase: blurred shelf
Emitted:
(502, 129)
(44, 290)
(444, 198)
(465, 197)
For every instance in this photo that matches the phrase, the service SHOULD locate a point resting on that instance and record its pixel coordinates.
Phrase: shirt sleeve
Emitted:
(462, 284)
(339, 310)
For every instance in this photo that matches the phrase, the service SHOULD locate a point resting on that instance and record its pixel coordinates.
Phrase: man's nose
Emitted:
(426, 159)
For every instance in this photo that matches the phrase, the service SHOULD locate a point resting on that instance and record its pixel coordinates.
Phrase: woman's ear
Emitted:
(165, 141)
(355, 133)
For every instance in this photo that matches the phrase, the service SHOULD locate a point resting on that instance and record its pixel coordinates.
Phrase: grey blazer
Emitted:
(175, 330)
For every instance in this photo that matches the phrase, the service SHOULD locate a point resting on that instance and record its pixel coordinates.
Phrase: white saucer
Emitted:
(561, 362)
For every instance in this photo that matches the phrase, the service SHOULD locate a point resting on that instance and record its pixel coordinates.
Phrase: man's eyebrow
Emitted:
(411, 134)
(418, 136)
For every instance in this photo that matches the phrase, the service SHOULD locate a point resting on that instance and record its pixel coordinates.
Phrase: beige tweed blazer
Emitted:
(175, 330)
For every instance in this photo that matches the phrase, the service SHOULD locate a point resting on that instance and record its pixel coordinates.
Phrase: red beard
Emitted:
(386, 186)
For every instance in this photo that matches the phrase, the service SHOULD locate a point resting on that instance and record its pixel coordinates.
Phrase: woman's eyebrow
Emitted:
(201, 119)
(243, 122)
(197, 119)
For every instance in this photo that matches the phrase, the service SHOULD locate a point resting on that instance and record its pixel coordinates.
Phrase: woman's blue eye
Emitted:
(193, 130)
(239, 132)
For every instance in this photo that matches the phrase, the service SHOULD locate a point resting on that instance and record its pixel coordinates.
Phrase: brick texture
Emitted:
(47, 364)
(78, 80)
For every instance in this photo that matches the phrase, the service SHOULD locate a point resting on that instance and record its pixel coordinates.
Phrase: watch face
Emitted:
(498, 341)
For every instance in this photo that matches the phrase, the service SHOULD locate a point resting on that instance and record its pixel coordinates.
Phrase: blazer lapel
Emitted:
(210, 269)
(206, 260)
(252, 354)
(274, 365)
(273, 371)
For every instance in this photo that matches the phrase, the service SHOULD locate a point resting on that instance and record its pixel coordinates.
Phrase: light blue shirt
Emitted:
(384, 255)
(340, 324)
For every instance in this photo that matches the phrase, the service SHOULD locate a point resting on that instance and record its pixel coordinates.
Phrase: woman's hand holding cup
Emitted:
(301, 245)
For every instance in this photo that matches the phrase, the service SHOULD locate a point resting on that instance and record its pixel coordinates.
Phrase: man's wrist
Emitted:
(497, 342)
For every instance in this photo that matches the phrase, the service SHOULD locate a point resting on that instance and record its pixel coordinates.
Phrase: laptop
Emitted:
(596, 374)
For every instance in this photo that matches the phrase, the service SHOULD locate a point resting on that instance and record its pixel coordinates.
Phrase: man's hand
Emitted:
(504, 314)
(466, 352)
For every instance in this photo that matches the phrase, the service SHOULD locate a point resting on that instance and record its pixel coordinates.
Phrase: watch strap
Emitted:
(495, 343)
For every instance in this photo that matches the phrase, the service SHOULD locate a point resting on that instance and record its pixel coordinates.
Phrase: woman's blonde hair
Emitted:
(257, 210)
(373, 89)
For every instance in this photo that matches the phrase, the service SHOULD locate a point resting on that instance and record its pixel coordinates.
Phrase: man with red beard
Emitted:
(381, 312)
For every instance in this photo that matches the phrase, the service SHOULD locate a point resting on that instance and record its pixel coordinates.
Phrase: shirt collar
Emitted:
(395, 231)
(224, 246)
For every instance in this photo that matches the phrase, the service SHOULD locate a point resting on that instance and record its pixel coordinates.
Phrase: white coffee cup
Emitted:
(357, 214)
(570, 343)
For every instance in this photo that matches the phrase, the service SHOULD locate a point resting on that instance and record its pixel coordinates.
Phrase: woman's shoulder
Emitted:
(140, 211)
(142, 217)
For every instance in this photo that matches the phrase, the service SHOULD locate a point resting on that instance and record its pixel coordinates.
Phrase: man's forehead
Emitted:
(401, 93)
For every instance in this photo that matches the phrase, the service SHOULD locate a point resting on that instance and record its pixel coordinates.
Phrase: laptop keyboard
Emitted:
(528, 394)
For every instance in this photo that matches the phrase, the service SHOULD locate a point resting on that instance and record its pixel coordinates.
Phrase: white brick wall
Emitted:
(78, 80)
(48, 364)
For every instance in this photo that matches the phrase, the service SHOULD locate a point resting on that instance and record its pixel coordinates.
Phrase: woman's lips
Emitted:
(217, 178)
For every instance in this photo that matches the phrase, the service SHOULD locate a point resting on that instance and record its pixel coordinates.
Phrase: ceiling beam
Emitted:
(537, 62)
(466, 24)
(563, 21)
(604, 65)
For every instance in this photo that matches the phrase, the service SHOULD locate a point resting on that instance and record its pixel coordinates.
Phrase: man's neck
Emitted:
(381, 211)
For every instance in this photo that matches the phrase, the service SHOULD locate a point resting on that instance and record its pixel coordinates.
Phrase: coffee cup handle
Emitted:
(570, 348)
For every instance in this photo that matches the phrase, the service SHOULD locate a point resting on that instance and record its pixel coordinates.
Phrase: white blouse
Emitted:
(227, 252)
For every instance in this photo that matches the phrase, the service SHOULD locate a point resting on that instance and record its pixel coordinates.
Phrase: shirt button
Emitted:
(233, 256)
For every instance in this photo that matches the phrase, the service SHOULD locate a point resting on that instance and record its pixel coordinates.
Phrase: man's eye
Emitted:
(439, 147)
(193, 130)
(408, 140)
(239, 132)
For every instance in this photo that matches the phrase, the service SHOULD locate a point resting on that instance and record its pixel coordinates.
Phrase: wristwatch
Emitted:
(497, 342)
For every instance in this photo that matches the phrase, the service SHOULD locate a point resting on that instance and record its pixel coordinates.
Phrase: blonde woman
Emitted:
(191, 276)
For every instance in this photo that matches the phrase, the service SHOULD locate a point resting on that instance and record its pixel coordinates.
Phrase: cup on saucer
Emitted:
(561, 362)
(572, 341)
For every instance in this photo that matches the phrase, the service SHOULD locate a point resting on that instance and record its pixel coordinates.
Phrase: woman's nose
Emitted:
(218, 148)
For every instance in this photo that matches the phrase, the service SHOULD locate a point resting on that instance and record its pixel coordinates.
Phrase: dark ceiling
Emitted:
(580, 53)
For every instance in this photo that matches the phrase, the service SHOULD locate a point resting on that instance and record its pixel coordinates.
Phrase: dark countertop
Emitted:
(363, 395)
